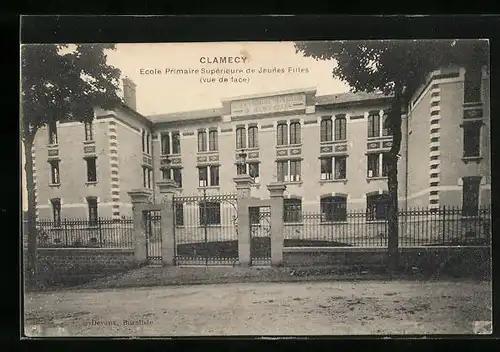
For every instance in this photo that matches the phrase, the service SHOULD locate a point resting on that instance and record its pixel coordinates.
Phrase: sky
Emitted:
(166, 92)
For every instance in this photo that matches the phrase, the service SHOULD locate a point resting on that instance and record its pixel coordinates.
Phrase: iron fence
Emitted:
(446, 226)
(205, 230)
(79, 233)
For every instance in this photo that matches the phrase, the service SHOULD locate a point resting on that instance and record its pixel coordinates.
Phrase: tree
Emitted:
(396, 68)
(58, 83)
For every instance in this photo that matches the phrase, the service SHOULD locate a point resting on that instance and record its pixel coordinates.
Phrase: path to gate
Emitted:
(206, 229)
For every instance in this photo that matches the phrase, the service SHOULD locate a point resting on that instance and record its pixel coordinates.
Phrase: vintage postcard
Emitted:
(256, 188)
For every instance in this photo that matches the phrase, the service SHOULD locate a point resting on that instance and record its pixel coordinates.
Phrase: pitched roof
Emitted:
(348, 97)
(185, 115)
(340, 98)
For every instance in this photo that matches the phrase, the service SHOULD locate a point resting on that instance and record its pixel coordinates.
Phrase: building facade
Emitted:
(328, 150)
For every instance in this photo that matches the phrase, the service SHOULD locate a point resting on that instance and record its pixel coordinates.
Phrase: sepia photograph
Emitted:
(256, 188)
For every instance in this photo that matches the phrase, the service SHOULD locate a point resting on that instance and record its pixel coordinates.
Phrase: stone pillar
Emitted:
(167, 189)
(243, 184)
(276, 191)
(140, 197)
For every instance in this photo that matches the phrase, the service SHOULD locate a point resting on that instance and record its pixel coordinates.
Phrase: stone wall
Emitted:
(463, 260)
(77, 265)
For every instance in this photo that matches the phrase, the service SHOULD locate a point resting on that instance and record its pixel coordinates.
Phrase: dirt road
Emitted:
(333, 308)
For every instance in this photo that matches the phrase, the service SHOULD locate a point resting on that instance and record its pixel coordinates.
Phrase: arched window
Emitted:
(253, 137)
(334, 208)
(340, 128)
(281, 134)
(295, 133)
(241, 138)
(202, 141)
(326, 129)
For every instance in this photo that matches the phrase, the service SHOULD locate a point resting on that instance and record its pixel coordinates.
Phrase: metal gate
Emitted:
(206, 230)
(152, 224)
(260, 236)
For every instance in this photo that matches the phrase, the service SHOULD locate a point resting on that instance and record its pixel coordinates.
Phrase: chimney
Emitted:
(129, 93)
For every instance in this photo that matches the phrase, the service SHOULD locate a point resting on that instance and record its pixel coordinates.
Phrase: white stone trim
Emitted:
(434, 153)
(114, 164)
(435, 108)
(434, 162)
(435, 135)
(433, 196)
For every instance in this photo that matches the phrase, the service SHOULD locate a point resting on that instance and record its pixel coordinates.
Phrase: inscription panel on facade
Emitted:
(268, 105)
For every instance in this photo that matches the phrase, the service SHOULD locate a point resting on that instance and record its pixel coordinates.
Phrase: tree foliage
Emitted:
(381, 65)
(60, 83)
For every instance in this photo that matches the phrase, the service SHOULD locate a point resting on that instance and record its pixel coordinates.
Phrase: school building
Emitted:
(327, 149)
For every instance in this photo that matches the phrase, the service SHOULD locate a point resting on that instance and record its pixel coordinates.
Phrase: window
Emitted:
(91, 169)
(377, 206)
(148, 142)
(282, 171)
(176, 143)
(282, 135)
(203, 176)
(334, 208)
(56, 211)
(386, 131)
(253, 137)
(147, 177)
(54, 172)
(212, 140)
(93, 216)
(326, 129)
(385, 164)
(340, 167)
(373, 124)
(202, 141)
(52, 127)
(294, 170)
(254, 172)
(292, 210)
(295, 133)
(470, 196)
(373, 165)
(179, 214)
(177, 176)
(143, 141)
(214, 175)
(241, 138)
(210, 213)
(165, 144)
(89, 135)
(472, 137)
(331, 164)
(208, 175)
(472, 85)
(326, 168)
(340, 128)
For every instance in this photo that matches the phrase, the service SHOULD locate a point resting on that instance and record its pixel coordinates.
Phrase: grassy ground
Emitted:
(307, 308)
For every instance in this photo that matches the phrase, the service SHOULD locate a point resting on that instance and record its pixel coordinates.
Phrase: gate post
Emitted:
(140, 197)
(276, 191)
(243, 184)
(167, 189)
